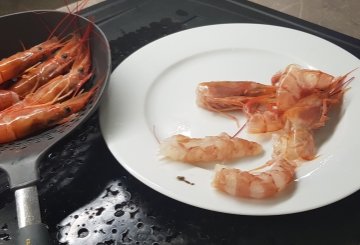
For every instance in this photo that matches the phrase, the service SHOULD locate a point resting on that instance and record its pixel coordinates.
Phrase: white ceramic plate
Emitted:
(154, 88)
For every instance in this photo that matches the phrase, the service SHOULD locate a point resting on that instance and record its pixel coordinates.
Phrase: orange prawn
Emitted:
(17, 124)
(35, 77)
(14, 65)
(247, 184)
(62, 86)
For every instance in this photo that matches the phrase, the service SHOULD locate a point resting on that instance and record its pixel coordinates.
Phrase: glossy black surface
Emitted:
(88, 198)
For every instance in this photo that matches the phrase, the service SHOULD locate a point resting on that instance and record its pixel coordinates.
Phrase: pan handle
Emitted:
(31, 230)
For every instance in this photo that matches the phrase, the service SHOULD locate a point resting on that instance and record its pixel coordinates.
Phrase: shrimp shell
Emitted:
(296, 144)
(229, 95)
(258, 186)
(208, 149)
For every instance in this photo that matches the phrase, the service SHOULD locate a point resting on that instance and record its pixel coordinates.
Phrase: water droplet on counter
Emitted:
(99, 211)
(110, 221)
(119, 213)
(120, 205)
(83, 232)
(4, 227)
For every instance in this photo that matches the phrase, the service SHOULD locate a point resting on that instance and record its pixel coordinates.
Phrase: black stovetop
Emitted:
(87, 197)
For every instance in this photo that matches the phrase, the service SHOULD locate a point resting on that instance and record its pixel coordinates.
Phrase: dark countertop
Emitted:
(87, 197)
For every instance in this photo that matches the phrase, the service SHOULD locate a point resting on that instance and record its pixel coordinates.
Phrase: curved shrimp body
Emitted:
(17, 124)
(255, 185)
(295, 144)
(7, 99)
(264, 122)
(228, 96)
(12, 66)
(35, 77)
(263, 115)
(208, 149)
(295, 83)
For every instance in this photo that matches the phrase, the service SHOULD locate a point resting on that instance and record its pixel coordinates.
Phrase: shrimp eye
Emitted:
(81, 70)
(68, 109)
(64, 56)
(40, 48)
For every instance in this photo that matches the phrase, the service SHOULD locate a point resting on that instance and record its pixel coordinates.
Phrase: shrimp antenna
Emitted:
(22, 45)
(155, 135)
(242, 127)
(76, 9)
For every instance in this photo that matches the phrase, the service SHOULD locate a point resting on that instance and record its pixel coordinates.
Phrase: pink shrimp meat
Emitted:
(208, 149)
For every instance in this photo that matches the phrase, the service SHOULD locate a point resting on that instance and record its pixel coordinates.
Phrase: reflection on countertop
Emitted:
(339, 15)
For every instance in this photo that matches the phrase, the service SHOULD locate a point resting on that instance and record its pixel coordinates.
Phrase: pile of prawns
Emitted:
(295, 104)
(42, 86)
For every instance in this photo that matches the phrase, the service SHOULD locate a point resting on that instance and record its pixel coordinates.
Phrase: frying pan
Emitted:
(20, 159)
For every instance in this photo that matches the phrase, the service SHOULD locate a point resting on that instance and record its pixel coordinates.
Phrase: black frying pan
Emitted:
(20, 158)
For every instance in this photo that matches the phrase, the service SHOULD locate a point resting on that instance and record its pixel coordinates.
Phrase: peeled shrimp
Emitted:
(263, 122)
(255, 185)
(20, 123)
(208, 149)
(37, 76)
